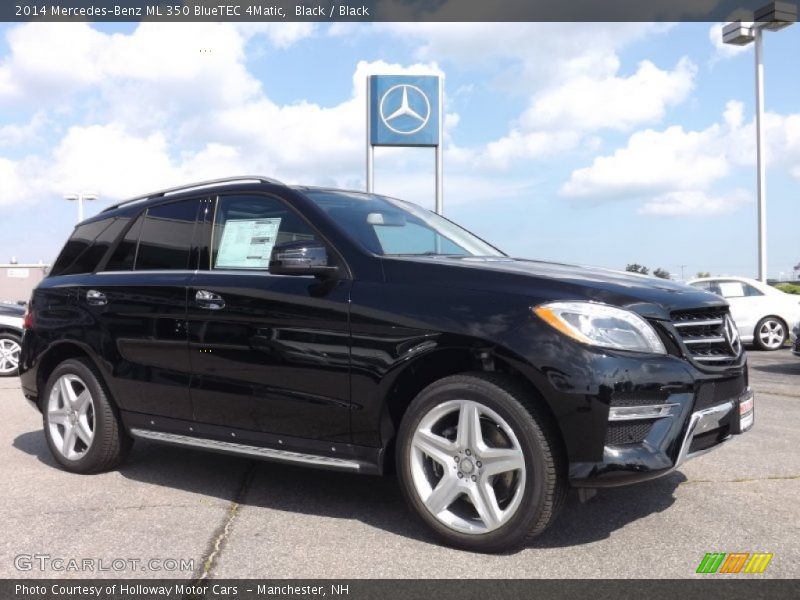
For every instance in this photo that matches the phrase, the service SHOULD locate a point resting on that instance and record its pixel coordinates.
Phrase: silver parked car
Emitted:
(11, 317)
(763, 314)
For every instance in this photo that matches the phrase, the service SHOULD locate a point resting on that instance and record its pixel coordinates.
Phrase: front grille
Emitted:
(627, 433)
(711, 393)
(704, 336)
(643, 398)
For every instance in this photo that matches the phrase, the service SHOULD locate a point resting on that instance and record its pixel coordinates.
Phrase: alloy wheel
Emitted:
(71, 417)
(772, 334)
(467, 466)
(9, 356)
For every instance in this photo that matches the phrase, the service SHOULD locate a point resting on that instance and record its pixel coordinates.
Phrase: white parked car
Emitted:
(763, 314)
(10, 338)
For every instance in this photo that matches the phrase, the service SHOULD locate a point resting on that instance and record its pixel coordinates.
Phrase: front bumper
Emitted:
(680, 434)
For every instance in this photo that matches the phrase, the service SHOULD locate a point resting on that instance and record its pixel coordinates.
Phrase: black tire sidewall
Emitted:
(15, 338)
(103, 413)
(530, 437)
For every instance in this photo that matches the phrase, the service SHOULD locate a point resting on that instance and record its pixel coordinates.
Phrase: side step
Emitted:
(326, 462)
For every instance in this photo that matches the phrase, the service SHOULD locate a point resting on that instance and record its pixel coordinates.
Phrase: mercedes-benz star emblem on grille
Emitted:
(405, 109)
(732, 335)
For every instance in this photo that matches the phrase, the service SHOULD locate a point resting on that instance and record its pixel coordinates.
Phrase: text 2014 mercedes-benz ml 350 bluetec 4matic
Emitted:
(354, 332)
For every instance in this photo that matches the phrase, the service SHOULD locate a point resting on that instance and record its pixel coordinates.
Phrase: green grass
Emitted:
(789, 288)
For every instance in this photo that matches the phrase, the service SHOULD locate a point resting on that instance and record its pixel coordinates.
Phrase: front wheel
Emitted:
(770, 334)
(479, 462)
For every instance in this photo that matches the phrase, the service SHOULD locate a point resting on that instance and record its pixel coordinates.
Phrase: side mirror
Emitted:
(301, 258)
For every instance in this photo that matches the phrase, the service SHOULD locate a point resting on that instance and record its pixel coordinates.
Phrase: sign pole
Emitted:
(370, 147)
(439, 157)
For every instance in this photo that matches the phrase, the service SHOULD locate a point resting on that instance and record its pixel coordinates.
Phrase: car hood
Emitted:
(543, 281)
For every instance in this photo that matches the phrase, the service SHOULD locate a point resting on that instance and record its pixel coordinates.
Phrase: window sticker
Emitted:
(247, 243)
(731, 289)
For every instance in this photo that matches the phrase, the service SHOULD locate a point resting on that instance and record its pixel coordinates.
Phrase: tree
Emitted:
(703, 274)
(663, 274)
(637, 268)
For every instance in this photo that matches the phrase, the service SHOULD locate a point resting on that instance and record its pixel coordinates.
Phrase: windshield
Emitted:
(395, 228)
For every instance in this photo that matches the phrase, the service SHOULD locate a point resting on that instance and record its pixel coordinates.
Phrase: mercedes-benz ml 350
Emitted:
(359, 333)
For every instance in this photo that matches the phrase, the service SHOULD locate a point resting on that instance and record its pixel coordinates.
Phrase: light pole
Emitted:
(772, 17)
(79, 198)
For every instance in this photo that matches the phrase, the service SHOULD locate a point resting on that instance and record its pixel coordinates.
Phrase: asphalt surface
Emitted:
(235, 517)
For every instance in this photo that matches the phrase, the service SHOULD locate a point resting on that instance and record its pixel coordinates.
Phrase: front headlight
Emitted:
(601, 325)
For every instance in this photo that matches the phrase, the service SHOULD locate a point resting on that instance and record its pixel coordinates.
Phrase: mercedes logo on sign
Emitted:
(405, 109)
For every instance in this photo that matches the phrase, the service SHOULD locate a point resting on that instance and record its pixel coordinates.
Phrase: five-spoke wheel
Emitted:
(770, 333)
(83, 430)
(479, 462)
(467, 466)
(70, 413)
(9, 354)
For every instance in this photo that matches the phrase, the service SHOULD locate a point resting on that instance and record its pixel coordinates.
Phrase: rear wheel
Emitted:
(479, 463)
(770, 334)
(83, 430)
(10, 346)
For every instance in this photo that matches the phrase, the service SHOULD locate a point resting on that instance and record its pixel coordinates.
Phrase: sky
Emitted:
(597, 144)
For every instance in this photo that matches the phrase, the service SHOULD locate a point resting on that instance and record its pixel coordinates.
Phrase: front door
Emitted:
(269, 353)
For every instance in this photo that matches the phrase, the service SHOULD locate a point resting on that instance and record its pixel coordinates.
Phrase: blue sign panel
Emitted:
(404, 110)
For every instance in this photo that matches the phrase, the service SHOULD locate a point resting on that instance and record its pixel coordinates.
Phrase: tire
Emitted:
(10, 345)
(84, 434)
(482, 512)
(770, 334)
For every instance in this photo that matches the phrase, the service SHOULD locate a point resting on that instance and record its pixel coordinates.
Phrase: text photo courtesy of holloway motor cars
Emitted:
(399, 299)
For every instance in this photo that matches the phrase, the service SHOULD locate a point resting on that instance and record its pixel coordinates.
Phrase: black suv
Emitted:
(351, 331)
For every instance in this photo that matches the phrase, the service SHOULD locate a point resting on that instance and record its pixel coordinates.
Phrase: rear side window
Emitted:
(87, 246)
(125, 253)
(165, 241)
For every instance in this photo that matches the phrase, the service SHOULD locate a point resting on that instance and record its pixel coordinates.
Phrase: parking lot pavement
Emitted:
(240, 518)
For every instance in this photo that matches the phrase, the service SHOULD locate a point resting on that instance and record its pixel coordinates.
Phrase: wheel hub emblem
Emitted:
(466, 466)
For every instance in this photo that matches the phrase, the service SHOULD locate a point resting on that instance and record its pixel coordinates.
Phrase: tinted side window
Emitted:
(166, 238)
(125, 253)
(72, 258)
(749, 291)
(246, 228)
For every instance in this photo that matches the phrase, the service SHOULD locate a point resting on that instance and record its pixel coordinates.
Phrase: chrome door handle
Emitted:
(209, 300)
(96, 298)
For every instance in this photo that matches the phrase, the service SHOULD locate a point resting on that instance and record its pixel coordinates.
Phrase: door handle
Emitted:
(209, 300)
(96, 298)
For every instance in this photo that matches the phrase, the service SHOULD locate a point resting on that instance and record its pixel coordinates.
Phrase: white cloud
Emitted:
(674, 170)
(694, 202)
(653, 162)
(586, 103)
(195, 63)
(722, 50)
(19, 135)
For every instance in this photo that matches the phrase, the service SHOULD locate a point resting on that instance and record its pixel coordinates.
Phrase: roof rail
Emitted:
(194, 186)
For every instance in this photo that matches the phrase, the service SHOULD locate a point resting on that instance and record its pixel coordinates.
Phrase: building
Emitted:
(18, 280)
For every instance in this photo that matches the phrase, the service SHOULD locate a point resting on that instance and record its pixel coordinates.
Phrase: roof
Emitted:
(208, 184)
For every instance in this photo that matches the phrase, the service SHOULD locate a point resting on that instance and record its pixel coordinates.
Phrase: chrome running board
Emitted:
(285, 456)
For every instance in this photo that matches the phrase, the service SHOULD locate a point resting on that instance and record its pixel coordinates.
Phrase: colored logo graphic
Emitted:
(736, 562)
(404, 110)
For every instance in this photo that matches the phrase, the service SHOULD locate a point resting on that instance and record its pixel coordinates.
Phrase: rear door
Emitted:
(139, 300)
(269, 353)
